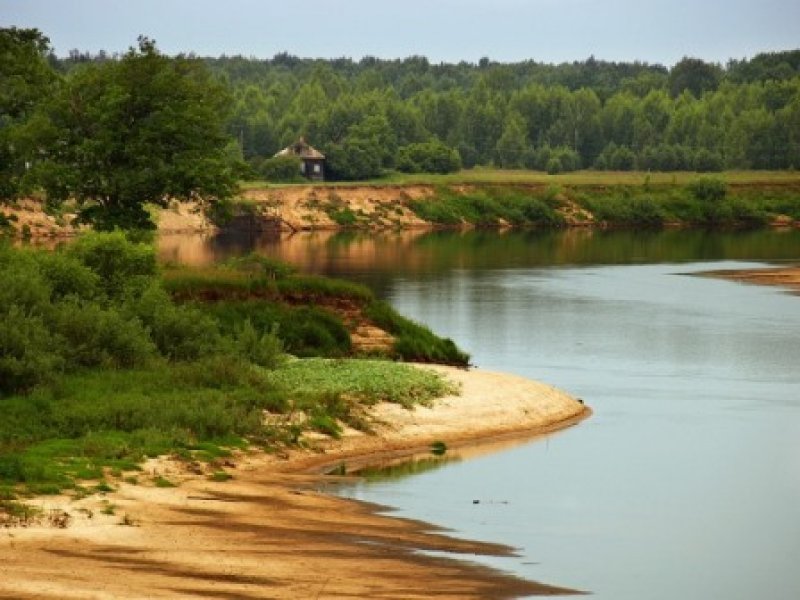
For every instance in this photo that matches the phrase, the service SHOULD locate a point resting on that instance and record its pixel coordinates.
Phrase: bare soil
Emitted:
(788, 277)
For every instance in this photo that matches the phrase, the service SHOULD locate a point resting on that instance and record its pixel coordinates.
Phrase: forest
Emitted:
(592, 114)
(373, 116)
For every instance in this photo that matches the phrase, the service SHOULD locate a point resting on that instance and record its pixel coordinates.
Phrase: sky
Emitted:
(553, 31)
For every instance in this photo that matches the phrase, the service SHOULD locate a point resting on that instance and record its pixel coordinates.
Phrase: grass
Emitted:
(367, 381)
(487, 175)
(94, 423)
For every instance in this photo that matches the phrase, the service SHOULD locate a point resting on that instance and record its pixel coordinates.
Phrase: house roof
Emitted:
(302, 149)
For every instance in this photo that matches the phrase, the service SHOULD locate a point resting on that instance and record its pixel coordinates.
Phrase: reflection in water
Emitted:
(401, 470)
(429, 254)
(686, 481)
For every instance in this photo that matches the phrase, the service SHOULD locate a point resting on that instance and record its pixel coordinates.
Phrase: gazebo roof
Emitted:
(302, 149)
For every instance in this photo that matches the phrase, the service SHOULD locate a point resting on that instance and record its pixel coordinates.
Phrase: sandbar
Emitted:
(272, 531)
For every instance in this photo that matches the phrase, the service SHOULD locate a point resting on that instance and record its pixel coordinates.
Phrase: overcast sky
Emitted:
(655, 31)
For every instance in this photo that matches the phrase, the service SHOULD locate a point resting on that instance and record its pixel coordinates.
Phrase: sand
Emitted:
(788, 277)
(273, 532)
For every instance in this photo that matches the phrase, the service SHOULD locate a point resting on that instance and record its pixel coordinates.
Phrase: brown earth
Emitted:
(297, 208)
(788, 277)
(271, 531)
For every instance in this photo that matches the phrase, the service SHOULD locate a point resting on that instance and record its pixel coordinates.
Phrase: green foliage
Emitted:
(369, 381)
(179, 332)
(143, 128)
(94, 336)
(627, 210)
(303, 330)
(415, 342)
(488, 207)
(708, 189)
(123, 267)
(428, 157)
(263, 349)
(353, 160)
(280, 169)
(27, 80)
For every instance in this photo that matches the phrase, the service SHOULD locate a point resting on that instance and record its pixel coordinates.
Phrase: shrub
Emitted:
(708, 189)
(122, 265)
(428, 157)
(179, 332)
(28, 352)
(554, 166)
(280, 169)
(261, 348)
(96, 336)
(257, 264)
(67, 276)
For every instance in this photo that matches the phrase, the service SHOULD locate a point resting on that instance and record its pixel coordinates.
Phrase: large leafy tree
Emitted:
(26, 79)
(143, 129)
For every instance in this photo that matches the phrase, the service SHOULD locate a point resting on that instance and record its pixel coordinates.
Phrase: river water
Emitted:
(686, 481)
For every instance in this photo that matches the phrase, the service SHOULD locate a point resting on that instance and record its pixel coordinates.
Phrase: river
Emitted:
(686, 481)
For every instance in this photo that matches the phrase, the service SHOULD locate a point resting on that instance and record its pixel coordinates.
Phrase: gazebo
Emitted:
(312, 164)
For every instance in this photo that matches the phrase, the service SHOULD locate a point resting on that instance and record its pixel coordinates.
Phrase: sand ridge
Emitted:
(272, 531)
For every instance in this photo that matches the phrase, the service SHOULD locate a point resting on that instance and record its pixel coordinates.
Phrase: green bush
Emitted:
(179, 332)
(280, 169)
(258, 265)
(304, 330)
(708, 189)
(94, 336)
(122, 265)
(428, 157)
(67, 276)
(261, 348)
(29, 353)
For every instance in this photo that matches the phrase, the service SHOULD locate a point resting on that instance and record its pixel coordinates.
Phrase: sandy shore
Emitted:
(788, 277)
(270, 532)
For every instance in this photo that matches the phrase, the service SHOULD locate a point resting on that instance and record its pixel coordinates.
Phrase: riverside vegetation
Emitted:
(106, 360)
(525, 199)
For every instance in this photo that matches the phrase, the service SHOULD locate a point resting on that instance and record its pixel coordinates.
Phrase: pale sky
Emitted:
(655, 31)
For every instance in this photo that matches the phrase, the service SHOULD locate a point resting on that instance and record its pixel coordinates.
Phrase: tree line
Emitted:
(591, 114)
(115, 129)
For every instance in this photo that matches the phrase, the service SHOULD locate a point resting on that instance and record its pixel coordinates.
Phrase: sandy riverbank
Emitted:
(788, 277)
(270, 532)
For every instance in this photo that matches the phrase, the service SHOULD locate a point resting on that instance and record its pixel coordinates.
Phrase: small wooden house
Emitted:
(312, 164)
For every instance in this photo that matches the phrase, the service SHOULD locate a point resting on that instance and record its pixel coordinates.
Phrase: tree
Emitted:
(25, 79)
(143, 129)
(513, 144)
(694, 75)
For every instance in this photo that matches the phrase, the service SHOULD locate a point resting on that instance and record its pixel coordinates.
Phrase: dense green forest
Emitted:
(67, 122)
(591, 114)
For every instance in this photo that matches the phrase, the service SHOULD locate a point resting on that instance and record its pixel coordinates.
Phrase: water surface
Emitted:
(686, 481)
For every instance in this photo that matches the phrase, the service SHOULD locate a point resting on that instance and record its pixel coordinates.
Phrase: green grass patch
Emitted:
(161, 482)
(368, 381)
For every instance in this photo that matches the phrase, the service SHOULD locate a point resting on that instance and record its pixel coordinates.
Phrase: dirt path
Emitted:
(271, 532)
